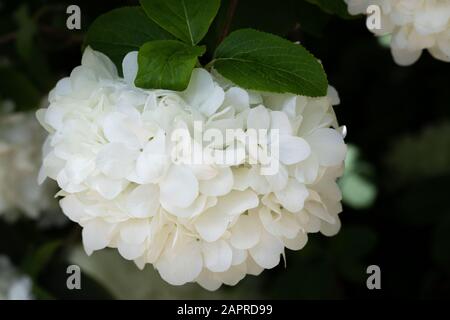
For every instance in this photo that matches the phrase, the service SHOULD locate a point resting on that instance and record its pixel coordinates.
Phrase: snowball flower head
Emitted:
(21, 138)
(212, 222)
(13, 286)
(414, 25)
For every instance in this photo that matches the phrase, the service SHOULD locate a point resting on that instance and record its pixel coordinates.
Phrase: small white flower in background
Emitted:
(109, 150)
(21, 140)
(13, 285)
(415, 25)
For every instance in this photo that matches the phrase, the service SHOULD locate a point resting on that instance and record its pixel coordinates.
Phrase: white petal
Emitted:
(107, 187)
(237, 202)
(293, 149)
(213, 102)
(72, 208)
(66, 184)
(181, 263)
(267, 252)
(257, 181)
(329, 146)
(217, 255)
(130, 251)
(279, 180)
(135, 231)
(238, 98)
(143, 201)
(212, 224)
(63, 88)
(309, 223)
(307, 171)
(179, 187)
(152, 163)
(246, 232)
(96, 234)
(296, 243)
(208, 280)
(78, 168)
(284, 225)
(258, 118)
(220, 185)
(280, 121)
(99, 62)
(197, 207)
(239, 256)
(253, 268)
(293, 196)
(330, 229)
(203, 171)
(119, 127)
(115, 160)
(240, 175)
(333, 95)
(233, 275)
(202, 93)
(320, 211)
(405, 57)
(130, 67)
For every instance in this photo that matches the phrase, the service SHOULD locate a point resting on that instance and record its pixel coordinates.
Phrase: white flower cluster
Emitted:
(13, 286)
(109, 149)
(414, 24)
(21, 138)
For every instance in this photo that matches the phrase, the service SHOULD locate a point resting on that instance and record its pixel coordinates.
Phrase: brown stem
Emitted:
(7, 37)
(229, 19)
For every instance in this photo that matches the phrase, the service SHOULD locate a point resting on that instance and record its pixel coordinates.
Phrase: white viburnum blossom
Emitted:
(13, 285)
(110, 150)
(21, 139)
(414, 25)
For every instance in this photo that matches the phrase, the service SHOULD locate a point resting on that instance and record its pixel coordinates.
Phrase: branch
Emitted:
(229, 19)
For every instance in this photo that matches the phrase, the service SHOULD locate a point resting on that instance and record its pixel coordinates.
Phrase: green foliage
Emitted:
(26, 32)
(29, 51)
(430, 149)
(122, 30)
(188, 20)
(261, 61)
(337, 7)
(166, 64)
(441, 241)
(39, 259)
(358, 191)
(251, 59)
(17, 87)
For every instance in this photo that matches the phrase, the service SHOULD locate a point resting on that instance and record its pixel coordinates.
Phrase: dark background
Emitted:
(398, 121)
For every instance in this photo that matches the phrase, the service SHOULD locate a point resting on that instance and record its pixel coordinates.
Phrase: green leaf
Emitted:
(166, 64)
(38, 260)
(188, 20)
(29, 50)
(262, 61)
(122, 30)
(440, 244)
(15, 86)
(25, 33)
(337, 7)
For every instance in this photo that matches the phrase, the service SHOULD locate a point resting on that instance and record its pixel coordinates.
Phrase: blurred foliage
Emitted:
(398, 120)
(358, 191)
(430, 150)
